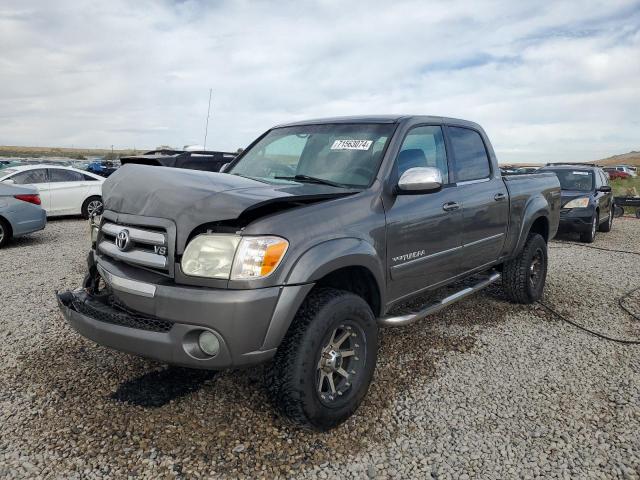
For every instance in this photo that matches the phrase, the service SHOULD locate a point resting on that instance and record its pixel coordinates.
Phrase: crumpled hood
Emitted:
(191, 198)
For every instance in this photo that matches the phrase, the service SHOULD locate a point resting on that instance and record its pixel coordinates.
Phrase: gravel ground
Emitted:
(484, 389)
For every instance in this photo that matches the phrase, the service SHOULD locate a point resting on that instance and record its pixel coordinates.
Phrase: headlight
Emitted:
(210, 256)
(578, 203)
(232, 256)
(258, 257)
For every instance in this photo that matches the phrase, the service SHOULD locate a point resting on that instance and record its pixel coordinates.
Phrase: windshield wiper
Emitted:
(308, 179)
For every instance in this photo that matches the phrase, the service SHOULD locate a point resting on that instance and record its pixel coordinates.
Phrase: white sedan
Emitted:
(63, 190)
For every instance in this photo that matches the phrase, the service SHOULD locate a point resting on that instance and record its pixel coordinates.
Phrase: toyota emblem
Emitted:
(122, 240)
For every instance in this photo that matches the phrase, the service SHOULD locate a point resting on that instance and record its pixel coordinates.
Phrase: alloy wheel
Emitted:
(341, 362)
(535, 269)
(94, 207)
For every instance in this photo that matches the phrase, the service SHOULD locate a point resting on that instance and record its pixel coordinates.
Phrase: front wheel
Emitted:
(323, 368)
(590, 236)
(523, 278)
(606, 227)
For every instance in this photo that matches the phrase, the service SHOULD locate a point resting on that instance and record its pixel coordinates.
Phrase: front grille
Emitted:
(144, 246)
(116, 313)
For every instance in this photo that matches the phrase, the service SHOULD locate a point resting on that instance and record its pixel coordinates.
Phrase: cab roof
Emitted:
(381, 119)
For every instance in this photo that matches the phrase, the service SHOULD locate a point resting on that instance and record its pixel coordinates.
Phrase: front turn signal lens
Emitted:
(258, 257)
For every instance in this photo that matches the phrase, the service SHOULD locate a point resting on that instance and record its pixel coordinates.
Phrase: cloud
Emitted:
(547, 80)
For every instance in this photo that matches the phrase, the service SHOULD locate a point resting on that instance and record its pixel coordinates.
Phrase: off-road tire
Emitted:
(85, 206)
(590, 236)
(517, 280)
(606, 226)
(5, 232)
(292, 378)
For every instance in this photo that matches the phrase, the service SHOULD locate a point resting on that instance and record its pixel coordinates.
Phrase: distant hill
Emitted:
(631, 158)
(30, 152)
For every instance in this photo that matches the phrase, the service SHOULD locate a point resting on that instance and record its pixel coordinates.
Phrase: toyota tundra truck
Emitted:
(313, 238)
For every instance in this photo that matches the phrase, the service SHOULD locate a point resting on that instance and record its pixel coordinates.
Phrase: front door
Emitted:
(423, 231)
(484, 197)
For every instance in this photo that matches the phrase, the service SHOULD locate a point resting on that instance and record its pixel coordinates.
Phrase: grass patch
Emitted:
(627, 187)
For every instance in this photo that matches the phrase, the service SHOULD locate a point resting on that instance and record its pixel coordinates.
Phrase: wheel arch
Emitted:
(349, 264)
(330, 262)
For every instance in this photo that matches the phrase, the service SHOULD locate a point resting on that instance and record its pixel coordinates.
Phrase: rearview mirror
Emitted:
(420, 180)
(605, 189)
(224, 167)
(9, 181)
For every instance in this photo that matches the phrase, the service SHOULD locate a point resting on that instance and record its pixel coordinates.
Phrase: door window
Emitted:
(472, 161)
(424, 147)
(30, 176)
(59, 175)
(598, 179)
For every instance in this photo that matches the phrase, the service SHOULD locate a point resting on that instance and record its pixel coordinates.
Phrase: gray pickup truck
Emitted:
(308, 242)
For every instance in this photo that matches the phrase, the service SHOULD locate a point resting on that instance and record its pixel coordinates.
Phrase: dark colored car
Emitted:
(587, 199)
(205, 160)
(313, 238)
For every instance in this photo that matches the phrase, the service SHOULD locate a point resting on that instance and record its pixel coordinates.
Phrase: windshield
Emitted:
(346, 155)
(580, 180)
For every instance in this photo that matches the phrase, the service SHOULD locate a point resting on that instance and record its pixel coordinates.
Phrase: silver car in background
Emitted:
(20, 211)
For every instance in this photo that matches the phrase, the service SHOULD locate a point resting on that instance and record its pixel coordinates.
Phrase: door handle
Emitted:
(450, 206)
(499, 196)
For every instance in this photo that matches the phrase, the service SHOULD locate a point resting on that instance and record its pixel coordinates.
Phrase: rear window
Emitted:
(7, 171)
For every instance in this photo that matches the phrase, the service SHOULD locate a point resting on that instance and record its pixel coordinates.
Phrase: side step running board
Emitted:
(401, 320)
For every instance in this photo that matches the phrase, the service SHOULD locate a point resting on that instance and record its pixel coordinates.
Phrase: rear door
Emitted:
(39, 179)
(68, 190)
(424, 230)
(484, 197)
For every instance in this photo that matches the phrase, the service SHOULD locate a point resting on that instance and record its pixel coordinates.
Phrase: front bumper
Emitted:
(575, 219)
(163, 321)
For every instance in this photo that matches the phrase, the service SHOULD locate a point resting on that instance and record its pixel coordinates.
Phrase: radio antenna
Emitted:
(206, 128)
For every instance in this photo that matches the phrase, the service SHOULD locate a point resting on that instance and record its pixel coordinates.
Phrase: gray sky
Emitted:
(547, 80)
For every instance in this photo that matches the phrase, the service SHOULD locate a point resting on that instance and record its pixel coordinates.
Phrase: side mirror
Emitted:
(605, 189)
(9, 181)
(420, 180)
(224, 167)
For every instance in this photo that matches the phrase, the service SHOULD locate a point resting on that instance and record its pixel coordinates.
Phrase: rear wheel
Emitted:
(590, 236)
(92, 206)
(523, 278)
(5, 232)
(324, 366)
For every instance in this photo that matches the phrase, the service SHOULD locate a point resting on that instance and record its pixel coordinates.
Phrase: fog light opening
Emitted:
(209, 343)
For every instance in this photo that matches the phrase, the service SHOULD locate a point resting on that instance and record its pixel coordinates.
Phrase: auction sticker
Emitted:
(580, 173)
(351, 145)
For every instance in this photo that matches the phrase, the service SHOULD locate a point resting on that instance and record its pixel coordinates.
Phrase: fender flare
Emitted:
(535, 208)
(311, 266)
(332, 255)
